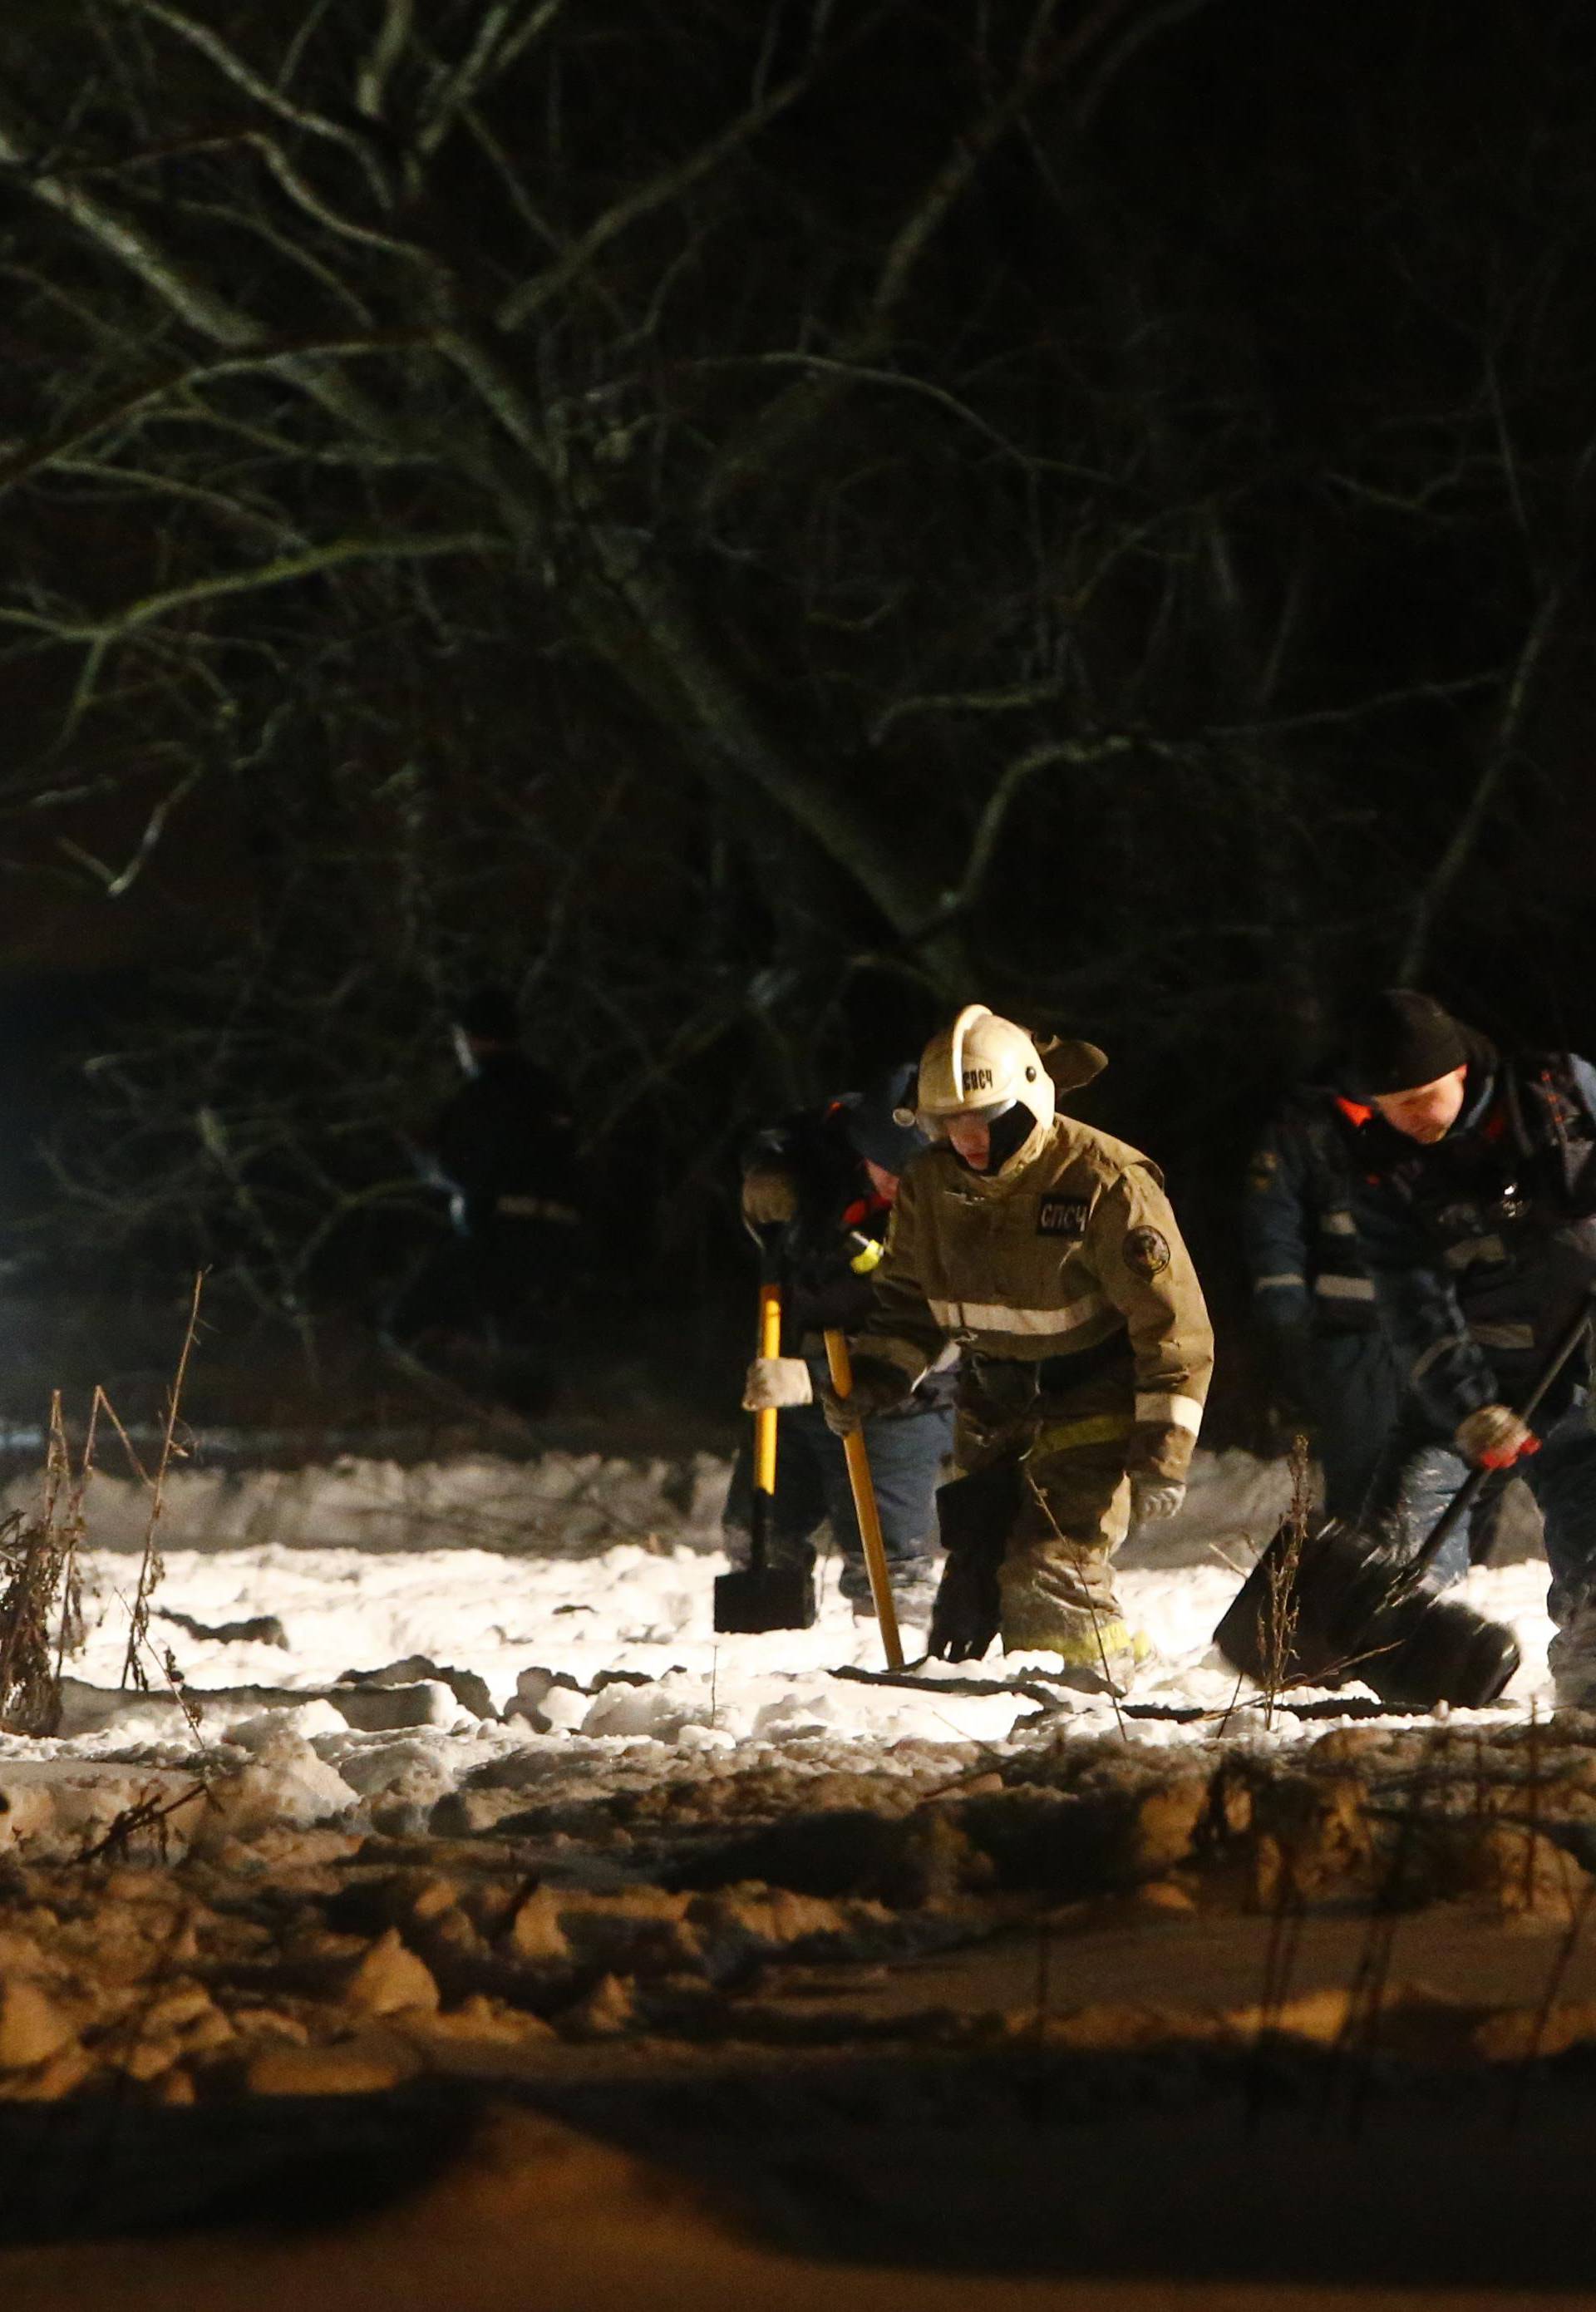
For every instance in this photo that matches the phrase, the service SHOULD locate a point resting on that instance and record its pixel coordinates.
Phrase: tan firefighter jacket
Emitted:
(1074, 1243)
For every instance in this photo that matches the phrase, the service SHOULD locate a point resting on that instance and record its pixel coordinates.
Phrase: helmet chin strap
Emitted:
(1007, 1134)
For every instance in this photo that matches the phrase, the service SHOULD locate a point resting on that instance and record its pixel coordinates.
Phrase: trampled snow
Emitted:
(525, 1617)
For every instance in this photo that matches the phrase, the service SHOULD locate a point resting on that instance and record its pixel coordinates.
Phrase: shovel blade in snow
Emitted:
(1334, 1604)
(763, 1598)
(1440, 1650)
(1270, 1631)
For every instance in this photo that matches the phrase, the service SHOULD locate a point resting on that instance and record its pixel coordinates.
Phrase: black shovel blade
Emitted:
(1269, 1631)
(1335, 1603)
(763, 1598)
(1440, 1650)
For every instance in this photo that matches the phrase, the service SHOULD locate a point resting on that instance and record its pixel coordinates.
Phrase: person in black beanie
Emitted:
(1411, 1059)
(1474, 1203)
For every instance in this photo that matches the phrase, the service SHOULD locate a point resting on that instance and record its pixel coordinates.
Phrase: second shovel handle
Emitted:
(864, 1508)
(1464, 1499)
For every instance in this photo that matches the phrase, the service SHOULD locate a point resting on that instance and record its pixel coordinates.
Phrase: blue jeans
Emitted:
(1423, 1477)
(907, 1451)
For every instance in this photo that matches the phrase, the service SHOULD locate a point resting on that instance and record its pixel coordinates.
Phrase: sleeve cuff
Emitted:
(1170, 1411)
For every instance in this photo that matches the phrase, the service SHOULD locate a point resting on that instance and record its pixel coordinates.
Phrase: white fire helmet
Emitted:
(982, 1067)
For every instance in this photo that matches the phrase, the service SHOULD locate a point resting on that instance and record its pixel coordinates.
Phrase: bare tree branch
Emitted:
(116, 881)
(286, 570)
(495, 49)
(1012, 700)
(159, 394)
(518, 308)
(995, 811)
(1464, 836)
(234, 67)
(383, 59)
(804, 406)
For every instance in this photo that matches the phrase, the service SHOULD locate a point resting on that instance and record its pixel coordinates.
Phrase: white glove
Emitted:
(1495, 1437)
(774, 1383)
(1154, 1499)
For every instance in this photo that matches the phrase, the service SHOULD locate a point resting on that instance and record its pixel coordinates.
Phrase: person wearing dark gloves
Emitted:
(818, 1191)
(1475, 1207)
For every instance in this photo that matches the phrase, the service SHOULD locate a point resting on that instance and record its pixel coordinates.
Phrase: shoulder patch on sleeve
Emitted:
(1146, 1251)
(1061, 1215)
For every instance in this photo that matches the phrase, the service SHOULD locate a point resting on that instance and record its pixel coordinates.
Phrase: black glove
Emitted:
(879, 1386)
(976, 1516)
(968, 1607)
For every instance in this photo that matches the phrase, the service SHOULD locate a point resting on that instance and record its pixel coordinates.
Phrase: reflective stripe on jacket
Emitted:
(1076, 1246)
(1299, 1237)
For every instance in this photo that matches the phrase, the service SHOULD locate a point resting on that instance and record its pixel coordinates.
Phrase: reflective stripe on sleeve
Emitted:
(1345, 1288)
(1174, 1412)
(1287, 1277)
(1503, 1337)
(1433, 1353)
(991, 1317)
(1475, 1248)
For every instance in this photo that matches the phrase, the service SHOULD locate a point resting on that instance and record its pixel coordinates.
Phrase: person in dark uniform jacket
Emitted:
(1476, 1205)
(1330, 1364)
(818, 1191)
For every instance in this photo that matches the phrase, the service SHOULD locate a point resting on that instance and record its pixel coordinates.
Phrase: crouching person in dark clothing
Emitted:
(1476, 1208)
(818, 1191)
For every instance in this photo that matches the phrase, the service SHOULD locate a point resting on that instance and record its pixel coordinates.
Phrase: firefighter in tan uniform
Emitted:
(1047, 1251)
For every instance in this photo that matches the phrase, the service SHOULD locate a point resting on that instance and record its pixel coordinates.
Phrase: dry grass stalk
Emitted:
(150, 1813)
(185, 1703)
(1280, 1638)
(1350, 2076)
(151, 1567)
(1046, 1506)
(1568, 1945)
(1288, 1913)
(40, 1615)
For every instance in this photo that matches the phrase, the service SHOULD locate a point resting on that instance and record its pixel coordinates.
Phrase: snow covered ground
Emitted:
(874, 1958)
(523, 1619)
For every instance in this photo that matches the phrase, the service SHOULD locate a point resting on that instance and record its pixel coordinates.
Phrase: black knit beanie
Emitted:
(1401, 1039)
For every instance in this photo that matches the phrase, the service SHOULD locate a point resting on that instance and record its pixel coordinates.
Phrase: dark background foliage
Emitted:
(754, 525)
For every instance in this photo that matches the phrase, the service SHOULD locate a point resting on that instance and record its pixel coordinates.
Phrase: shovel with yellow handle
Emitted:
(864, 1508)
(760, 1596)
